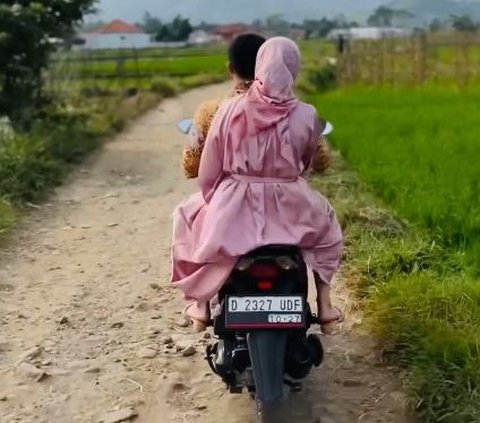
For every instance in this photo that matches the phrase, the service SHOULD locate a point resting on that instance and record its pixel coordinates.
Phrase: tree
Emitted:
(257, 24)
(277, 25)
(382, 16)
(464, 23)
(181, 29)
(436, 25)
(178, 30)
(151, 24)
(28, 34)
(403, 18)
(321, 28)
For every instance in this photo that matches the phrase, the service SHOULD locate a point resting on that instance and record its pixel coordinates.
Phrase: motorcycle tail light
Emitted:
(286, 263)
(244, 264)
(265, 285)
(264, 271)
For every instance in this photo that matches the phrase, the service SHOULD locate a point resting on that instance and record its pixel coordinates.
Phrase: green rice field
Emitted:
(418, 152)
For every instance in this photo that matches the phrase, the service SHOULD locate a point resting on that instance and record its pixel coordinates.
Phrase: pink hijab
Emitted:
(270, 98)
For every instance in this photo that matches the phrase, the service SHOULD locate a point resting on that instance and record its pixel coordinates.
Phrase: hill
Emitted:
(222, 11)
(427, 10)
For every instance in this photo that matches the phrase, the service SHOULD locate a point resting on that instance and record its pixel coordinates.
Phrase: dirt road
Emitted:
(90, 330)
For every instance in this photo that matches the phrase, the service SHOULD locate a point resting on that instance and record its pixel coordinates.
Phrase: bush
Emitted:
(195, 81)
(67, 135)
(7, 217)
(164, 87)
(318, 79)
(61, 135)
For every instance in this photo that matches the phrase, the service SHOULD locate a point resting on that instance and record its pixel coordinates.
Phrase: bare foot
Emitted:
(330, 317)
(329, 314)
(198, 325)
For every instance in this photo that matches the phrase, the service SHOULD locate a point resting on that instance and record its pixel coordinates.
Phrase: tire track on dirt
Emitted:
(85, 301)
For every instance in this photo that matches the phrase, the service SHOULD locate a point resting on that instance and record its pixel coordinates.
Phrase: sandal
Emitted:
(329, 326)
(198, 325)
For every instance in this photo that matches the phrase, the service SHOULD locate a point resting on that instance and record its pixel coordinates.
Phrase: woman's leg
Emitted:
(326, 311)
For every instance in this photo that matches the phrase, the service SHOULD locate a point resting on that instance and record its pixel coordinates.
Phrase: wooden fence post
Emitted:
(465, 50)
(393, 60)
(423, 59)
(413, 60)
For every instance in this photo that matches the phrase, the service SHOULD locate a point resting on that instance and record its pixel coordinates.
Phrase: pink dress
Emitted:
(253, 193)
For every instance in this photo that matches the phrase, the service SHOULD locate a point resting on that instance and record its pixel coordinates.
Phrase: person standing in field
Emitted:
(256, 155)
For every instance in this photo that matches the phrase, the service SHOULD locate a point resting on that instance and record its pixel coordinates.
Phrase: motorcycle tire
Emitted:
(268, 412)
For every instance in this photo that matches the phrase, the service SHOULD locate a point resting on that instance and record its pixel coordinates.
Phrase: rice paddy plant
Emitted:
(417, 153)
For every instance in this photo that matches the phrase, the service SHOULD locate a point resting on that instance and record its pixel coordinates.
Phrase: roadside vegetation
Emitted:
(68, 128)
(410, 206)
(57, 107)
(409, 198)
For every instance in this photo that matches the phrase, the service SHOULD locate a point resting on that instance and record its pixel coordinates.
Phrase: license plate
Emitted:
(271, 304)
(259, 312)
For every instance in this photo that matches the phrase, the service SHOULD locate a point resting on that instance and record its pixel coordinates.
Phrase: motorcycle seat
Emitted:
(275, 250)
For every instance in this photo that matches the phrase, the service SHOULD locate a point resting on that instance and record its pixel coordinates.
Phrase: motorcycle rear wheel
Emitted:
(268, 412)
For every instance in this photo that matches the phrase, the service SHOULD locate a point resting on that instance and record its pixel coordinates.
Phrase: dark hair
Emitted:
(243, 54)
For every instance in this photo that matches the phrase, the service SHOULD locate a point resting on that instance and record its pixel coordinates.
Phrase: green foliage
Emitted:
(151, 24)
(417, 150)
(166, 87)
(26, 169)
(432, 327)
(30, 164)
(317, 79)
(65, 131)
(321, 28)
(195, 81)
(147, 67)
(7, 217)
(464, 23)
(178, 30)
(385, 16)
(28, 30)
(278, 25)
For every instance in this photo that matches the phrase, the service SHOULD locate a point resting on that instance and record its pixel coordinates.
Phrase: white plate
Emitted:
(284, 318)
(290, 304)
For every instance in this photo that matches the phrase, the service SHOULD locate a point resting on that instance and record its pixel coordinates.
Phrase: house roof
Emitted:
(119, 27)
(231, 29)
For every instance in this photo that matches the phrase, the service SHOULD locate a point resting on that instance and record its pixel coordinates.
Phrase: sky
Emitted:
(231, 10)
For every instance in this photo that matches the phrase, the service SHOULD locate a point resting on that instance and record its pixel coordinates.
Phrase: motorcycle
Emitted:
(261, 326)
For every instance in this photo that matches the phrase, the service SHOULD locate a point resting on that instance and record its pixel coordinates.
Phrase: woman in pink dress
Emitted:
(251, 176)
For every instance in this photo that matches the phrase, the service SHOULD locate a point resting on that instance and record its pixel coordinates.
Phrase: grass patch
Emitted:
(151, 67)
(432, 327)
(82, 114)
(416, 157)
(33, 162)
(418, 151)
(7, 218)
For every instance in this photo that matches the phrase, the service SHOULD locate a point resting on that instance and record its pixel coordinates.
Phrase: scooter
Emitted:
(261, 326)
